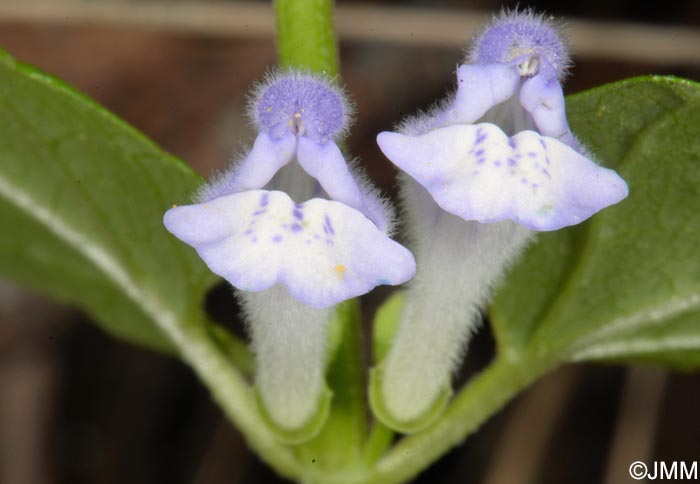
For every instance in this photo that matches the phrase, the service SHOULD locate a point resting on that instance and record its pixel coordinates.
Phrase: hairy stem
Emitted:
(229, 388)
(482, 397)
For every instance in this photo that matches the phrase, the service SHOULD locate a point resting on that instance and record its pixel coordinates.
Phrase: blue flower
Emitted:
(487, 167)
(501, 148)
(296, 232)
(325, 250)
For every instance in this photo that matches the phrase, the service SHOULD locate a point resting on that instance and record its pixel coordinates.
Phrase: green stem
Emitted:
(305, 35)
(229, 388)
(480, 399)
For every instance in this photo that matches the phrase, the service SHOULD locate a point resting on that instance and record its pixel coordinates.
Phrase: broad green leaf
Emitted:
(624, 286)
(82, 197)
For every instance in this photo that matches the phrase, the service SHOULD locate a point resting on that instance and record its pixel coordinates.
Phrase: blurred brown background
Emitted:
(79, 407)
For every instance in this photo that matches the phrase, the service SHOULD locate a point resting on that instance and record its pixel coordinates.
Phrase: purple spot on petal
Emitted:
(264, 199)
(512, 162)
(327, 224)
(542, 143)
(523, 181)
(497, 163)
(480, 161)
(296, 228)
(277, 239)
(547, 173)
(255, 240)
(511, 143)
(298, 214)
(532, 154)
(258, 212)
(480, 136)
(479, 152)
(248, 232)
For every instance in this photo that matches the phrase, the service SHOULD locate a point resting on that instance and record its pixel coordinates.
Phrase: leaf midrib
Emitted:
(80, 242)
(637, 347)
(646, 318)
(94, 253)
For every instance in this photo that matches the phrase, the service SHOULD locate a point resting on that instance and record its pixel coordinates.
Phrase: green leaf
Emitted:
(385, 325)
(624, 286)
(82, 197)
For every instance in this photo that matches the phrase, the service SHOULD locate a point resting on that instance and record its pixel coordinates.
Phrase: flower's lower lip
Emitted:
(323, 251)
(478, 173)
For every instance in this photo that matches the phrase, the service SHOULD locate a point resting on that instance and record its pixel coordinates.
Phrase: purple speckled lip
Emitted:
(335, 255)
(444, 162)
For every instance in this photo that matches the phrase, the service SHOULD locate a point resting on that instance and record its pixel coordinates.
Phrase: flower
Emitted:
(293, 229)
(323, 251)
(502, 147)
(298, 117)
(486, 168)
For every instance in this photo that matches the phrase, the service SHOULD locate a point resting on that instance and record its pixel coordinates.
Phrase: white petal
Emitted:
(323, 251)
(477, 173)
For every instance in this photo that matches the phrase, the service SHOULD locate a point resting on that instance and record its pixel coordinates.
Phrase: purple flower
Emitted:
(254, 235)
(294, 230)
(299, 117)
(488, 166)
(501, 148)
